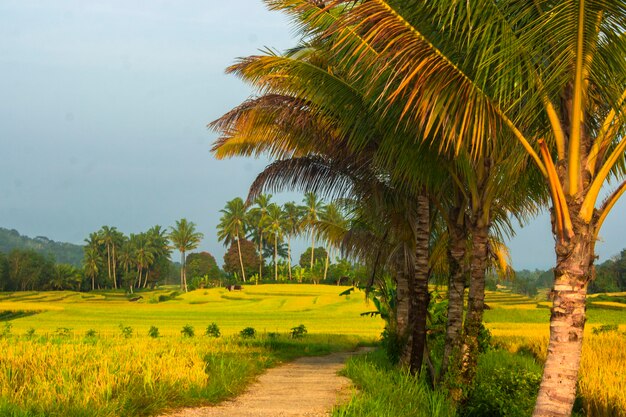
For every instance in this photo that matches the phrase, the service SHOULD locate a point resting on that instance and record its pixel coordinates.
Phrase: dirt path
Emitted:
(306, 387)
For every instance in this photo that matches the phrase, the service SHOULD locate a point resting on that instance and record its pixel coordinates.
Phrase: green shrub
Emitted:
(30, 332)
(153, 332)
(213, 330)
(188, 331)
(6, 332)
(388, 391)
(506, 385)
(248, 333)
(298, 332)
(90, 333)
(63, 332)
(127, 331)
(605, 328)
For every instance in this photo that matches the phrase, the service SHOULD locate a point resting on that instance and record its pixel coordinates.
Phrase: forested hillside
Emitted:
(66, 253)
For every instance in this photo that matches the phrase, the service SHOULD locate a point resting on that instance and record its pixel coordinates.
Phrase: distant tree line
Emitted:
(258, 237)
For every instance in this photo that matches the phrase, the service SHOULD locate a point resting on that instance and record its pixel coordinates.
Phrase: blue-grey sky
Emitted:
(103, 113)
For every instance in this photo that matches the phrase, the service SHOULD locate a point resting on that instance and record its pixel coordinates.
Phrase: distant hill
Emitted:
(66, 253)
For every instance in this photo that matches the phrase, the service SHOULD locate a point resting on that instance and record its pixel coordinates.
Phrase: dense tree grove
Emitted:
(437, 123)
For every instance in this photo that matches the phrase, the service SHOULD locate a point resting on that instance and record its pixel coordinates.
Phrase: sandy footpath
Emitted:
(306, 387)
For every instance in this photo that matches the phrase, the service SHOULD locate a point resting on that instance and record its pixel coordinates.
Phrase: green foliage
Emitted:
(63, 332)
(153, 332)
(201, 264)
(610, 275)
(298, 332)
(188, 331)
(506, 386)
(90, 333)
(386, 391)
(30, 332)
(127, 331)
(319, 255)
(605, 328)
(213, 330)
(6, 331)
(248, 333)
(249, 257)
(67, 253)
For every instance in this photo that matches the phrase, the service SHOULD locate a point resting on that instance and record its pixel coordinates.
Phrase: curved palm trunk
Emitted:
(260, 256)
(183, 280)
(109, 261)
(289, 257)
(114, 269)
(93, 282)
(312, 248)
(476, 300)
(456, 294)
(574, 264)
(421, 297)
(403, 307)
(326, 264)
(243, 272)
(275, 257)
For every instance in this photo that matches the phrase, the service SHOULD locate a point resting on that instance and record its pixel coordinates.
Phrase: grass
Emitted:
(51, 367)
(388, 392)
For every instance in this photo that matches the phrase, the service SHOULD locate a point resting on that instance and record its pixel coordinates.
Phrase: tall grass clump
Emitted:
(386, 391)
(506, 385)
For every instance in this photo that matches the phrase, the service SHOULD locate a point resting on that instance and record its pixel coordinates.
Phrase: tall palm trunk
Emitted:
(114, 269)
(289, 257)
(275, 257)
(145, 280)
(456, 294)
(312, 248)
(183, 284)
(420, 297)
(109, 261)
(574, 264)
(243, 272)
(93, 282)
(327, 261)
(476, 299)
(260, 256)
(403, 307)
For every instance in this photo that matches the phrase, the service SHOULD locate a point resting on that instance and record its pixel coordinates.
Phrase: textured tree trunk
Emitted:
(312, 249)
(182, 269)
(260, 256)
(275, 257)
(326, 264)
(421, 297)
(574, 269)
(403, 320)
(109, 261)
(243, 272)
(289, 257)
(476, 299)
(450, 366)
(114, 269)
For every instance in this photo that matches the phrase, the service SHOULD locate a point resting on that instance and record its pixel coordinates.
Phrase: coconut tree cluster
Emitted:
(115, 260)
(272, 227)
(439, 123)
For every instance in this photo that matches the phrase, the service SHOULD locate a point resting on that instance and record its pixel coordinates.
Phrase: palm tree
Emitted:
(332, 226)
(107, 236)
(91, 264)
(292, 228)
(258, 219)
(275, 226)
(158, 243)
(551, 74)
(311, 210)
(184, 238)
(232, 227)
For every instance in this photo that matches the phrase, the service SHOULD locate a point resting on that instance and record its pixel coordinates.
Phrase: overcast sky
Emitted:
(103, 113)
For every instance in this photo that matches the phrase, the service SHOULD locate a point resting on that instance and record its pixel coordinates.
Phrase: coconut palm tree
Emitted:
(292, 228)
(233, 226)
(311, 210)
(275, 225)
(184, 238)
(91, 264)
(332, 226)
(551, 74)
(258, 221)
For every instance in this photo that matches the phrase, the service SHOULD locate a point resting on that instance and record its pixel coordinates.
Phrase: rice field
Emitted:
(602, 383)
(90, 354)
